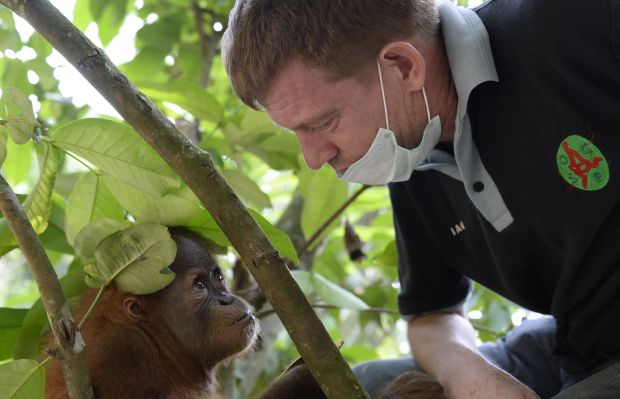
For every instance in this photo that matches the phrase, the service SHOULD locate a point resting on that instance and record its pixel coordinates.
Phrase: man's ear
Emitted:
(405, 59)
(134, 308)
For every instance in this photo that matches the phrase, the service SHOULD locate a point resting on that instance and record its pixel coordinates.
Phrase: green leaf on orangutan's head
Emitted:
(17, 116)
(91, 235)
(92, 277)
(135, 259)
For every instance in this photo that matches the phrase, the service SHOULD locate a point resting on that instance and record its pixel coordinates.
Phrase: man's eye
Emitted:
(198, 284)
(322, 126)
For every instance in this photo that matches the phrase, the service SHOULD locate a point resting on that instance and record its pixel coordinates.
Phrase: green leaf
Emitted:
(110, 19)
(256, 122)
(22, 379)
(137, 259)
(18, 163)
(208, 228)
(118, 151)
(335, 295)
(148, 62)
(246, 188)
(323, 194)
(90, 200)
(192, 98)
(81, 14)
(10, 325)
(277, 148)
(304, 280)
(92, 277)
(9, 38)
(55, 239)
(17, 116)
(4, 136)
(163, 33)
(277, 160)
(38, 205)
(329, 292)
(278, 238)
(40, 45)
(179, 207)
(91, 235)
(16, 75)
(389, 256)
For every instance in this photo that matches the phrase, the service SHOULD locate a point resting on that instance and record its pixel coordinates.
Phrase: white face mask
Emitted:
(385, 160)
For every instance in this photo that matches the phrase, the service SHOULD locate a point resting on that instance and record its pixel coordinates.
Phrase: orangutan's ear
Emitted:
(134, 308)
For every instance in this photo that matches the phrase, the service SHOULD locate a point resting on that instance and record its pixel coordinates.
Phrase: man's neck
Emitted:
(440, 88)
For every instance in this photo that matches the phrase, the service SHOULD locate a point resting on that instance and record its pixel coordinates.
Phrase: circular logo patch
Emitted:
(582, 164)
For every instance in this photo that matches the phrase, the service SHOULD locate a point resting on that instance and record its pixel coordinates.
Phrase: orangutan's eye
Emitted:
(217, 274)
(198, 284)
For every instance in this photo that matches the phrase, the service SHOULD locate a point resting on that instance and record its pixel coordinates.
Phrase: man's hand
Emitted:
(444, 345)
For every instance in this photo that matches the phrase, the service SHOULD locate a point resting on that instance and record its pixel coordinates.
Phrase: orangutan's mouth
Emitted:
(245, 318)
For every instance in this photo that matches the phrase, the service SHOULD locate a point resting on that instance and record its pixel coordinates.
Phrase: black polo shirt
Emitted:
(548, 136)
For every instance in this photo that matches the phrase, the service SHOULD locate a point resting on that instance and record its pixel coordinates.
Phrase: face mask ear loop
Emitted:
(387, 122)
(428, 111)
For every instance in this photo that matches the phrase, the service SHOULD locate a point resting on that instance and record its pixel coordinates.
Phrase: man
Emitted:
(510, 115)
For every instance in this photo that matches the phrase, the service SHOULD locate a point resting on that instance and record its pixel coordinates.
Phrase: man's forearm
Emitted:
(440, 340)
(444, 345)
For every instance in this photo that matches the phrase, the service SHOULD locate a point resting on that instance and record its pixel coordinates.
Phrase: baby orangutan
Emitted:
(167, 344)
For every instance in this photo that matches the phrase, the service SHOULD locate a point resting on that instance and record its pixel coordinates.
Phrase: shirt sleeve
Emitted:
(427, 282)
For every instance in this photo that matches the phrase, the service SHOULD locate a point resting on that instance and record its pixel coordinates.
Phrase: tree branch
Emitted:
(70, 345)
(196, 168)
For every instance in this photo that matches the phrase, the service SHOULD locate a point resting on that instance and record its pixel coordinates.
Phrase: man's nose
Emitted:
(316, 150)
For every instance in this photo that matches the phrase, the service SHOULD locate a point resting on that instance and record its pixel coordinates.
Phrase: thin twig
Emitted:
(482, 328)
(206, 43)
(269, 312)
(329, 221)
(476, 326)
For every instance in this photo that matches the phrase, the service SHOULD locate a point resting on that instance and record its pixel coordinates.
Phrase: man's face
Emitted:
(335, 122)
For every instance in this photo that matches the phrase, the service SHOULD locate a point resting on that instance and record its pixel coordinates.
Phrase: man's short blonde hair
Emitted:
(342, 37)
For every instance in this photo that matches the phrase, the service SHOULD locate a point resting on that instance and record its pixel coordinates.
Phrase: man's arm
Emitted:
(444, 345)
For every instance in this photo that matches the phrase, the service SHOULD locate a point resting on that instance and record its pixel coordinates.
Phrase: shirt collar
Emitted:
(468, 49)
(471, 63)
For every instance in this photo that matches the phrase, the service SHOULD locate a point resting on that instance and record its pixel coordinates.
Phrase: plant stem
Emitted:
(70, 345)
(92, 305)
(269, 312)
(329, 221)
